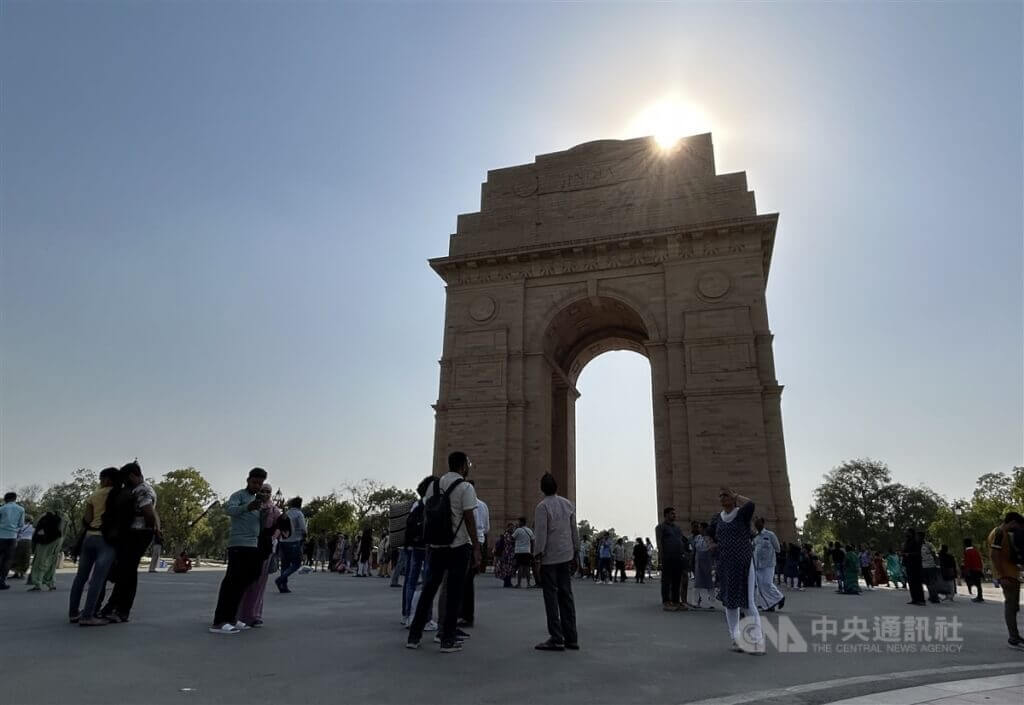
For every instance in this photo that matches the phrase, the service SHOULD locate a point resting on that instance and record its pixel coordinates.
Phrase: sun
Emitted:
(669, 119)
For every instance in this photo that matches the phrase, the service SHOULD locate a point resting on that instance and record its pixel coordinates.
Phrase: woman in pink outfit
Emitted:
(251, 611)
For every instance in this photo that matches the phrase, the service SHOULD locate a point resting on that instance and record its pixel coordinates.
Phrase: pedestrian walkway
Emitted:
(995, 690)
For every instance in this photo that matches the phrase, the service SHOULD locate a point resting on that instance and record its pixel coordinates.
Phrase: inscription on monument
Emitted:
(478, 375)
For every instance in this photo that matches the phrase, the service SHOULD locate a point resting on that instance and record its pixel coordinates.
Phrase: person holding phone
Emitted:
(244, 557)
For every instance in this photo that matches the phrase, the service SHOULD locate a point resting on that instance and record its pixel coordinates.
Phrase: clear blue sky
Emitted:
(216, 217)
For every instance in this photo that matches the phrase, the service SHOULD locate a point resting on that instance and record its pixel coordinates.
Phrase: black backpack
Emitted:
(437, 515)
(47, 529)
(414, 527)
(284, 525)
(118, 515)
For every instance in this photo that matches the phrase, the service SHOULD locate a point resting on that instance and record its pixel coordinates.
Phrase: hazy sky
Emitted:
(216, 219)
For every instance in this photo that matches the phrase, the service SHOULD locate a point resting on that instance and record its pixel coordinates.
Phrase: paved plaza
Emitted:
(337, 639)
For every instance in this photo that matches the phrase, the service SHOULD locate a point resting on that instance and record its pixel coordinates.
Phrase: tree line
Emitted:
(858, 503)
(191, 516)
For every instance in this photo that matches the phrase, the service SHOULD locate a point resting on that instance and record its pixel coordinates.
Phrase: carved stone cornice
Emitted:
(642, 248)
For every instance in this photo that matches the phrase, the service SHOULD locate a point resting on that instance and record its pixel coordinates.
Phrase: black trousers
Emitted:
(468, 612)
(931, 580)
(671, 579)
(556, 581)
(129, 551)
(973, 578)
(442, 561)
(620, 571)
(244, 566)
(865, 572)
(7, 548)
(641, 569)
(915, 576)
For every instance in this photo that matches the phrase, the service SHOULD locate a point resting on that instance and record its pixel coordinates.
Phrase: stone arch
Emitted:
(560, 304)
(613, 245)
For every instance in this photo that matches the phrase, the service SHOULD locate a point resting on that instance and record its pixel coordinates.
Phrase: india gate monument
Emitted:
(614, 245)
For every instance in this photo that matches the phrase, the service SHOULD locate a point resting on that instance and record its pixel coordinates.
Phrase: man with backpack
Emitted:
(450, 532)
(415, 551)
(293, 531)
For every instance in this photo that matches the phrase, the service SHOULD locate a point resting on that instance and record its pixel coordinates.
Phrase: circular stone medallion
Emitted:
(482, 309)
(713, 285)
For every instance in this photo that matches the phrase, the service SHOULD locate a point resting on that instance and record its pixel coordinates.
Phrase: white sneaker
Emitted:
(430, 626)
(242, 626)
(405, 621)
(224, 629)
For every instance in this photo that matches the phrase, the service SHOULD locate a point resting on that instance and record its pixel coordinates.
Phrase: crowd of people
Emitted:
(439, 544)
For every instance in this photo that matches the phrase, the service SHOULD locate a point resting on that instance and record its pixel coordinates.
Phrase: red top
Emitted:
(972, 559)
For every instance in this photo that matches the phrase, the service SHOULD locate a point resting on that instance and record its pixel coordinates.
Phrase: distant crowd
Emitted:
(434, 548)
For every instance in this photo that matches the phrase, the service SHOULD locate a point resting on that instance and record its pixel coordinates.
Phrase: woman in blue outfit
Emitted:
(731, 532)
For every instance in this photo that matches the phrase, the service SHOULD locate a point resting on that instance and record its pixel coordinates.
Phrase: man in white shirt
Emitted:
(766, 546)
(291, 546)
(558, 542)
(523, 538)
(459, 552)
(483, 525)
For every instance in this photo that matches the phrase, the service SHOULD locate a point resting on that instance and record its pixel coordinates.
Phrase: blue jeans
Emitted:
(96, 557)
(291, 560)
(415, 561)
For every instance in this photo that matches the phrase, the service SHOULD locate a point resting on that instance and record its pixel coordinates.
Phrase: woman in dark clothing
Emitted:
(640, 559)
(792, 569)
(730, 530)
(912, 564)
(365, 549)
(947, 573)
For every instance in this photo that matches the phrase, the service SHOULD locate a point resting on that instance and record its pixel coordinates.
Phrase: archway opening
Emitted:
(615, 472)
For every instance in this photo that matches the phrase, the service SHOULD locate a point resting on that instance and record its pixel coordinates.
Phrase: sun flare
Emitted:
(669, 119)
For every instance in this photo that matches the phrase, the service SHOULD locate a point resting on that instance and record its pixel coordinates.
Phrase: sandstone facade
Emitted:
(614, 245)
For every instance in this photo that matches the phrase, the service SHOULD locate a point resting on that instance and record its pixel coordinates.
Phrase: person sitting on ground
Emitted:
(182, 564)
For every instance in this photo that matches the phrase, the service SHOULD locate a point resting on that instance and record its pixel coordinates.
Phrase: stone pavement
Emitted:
(998, 690)
(337, 638)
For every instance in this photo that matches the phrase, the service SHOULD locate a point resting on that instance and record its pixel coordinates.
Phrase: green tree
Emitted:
(372, 500)
(67, 499)
(816, 529)
(182, 497)
(29, 498)
(906, 507)
(994, 494)
(211, 534)
(586, 531)
(333, 516)
(852, 501)
(311, 508)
